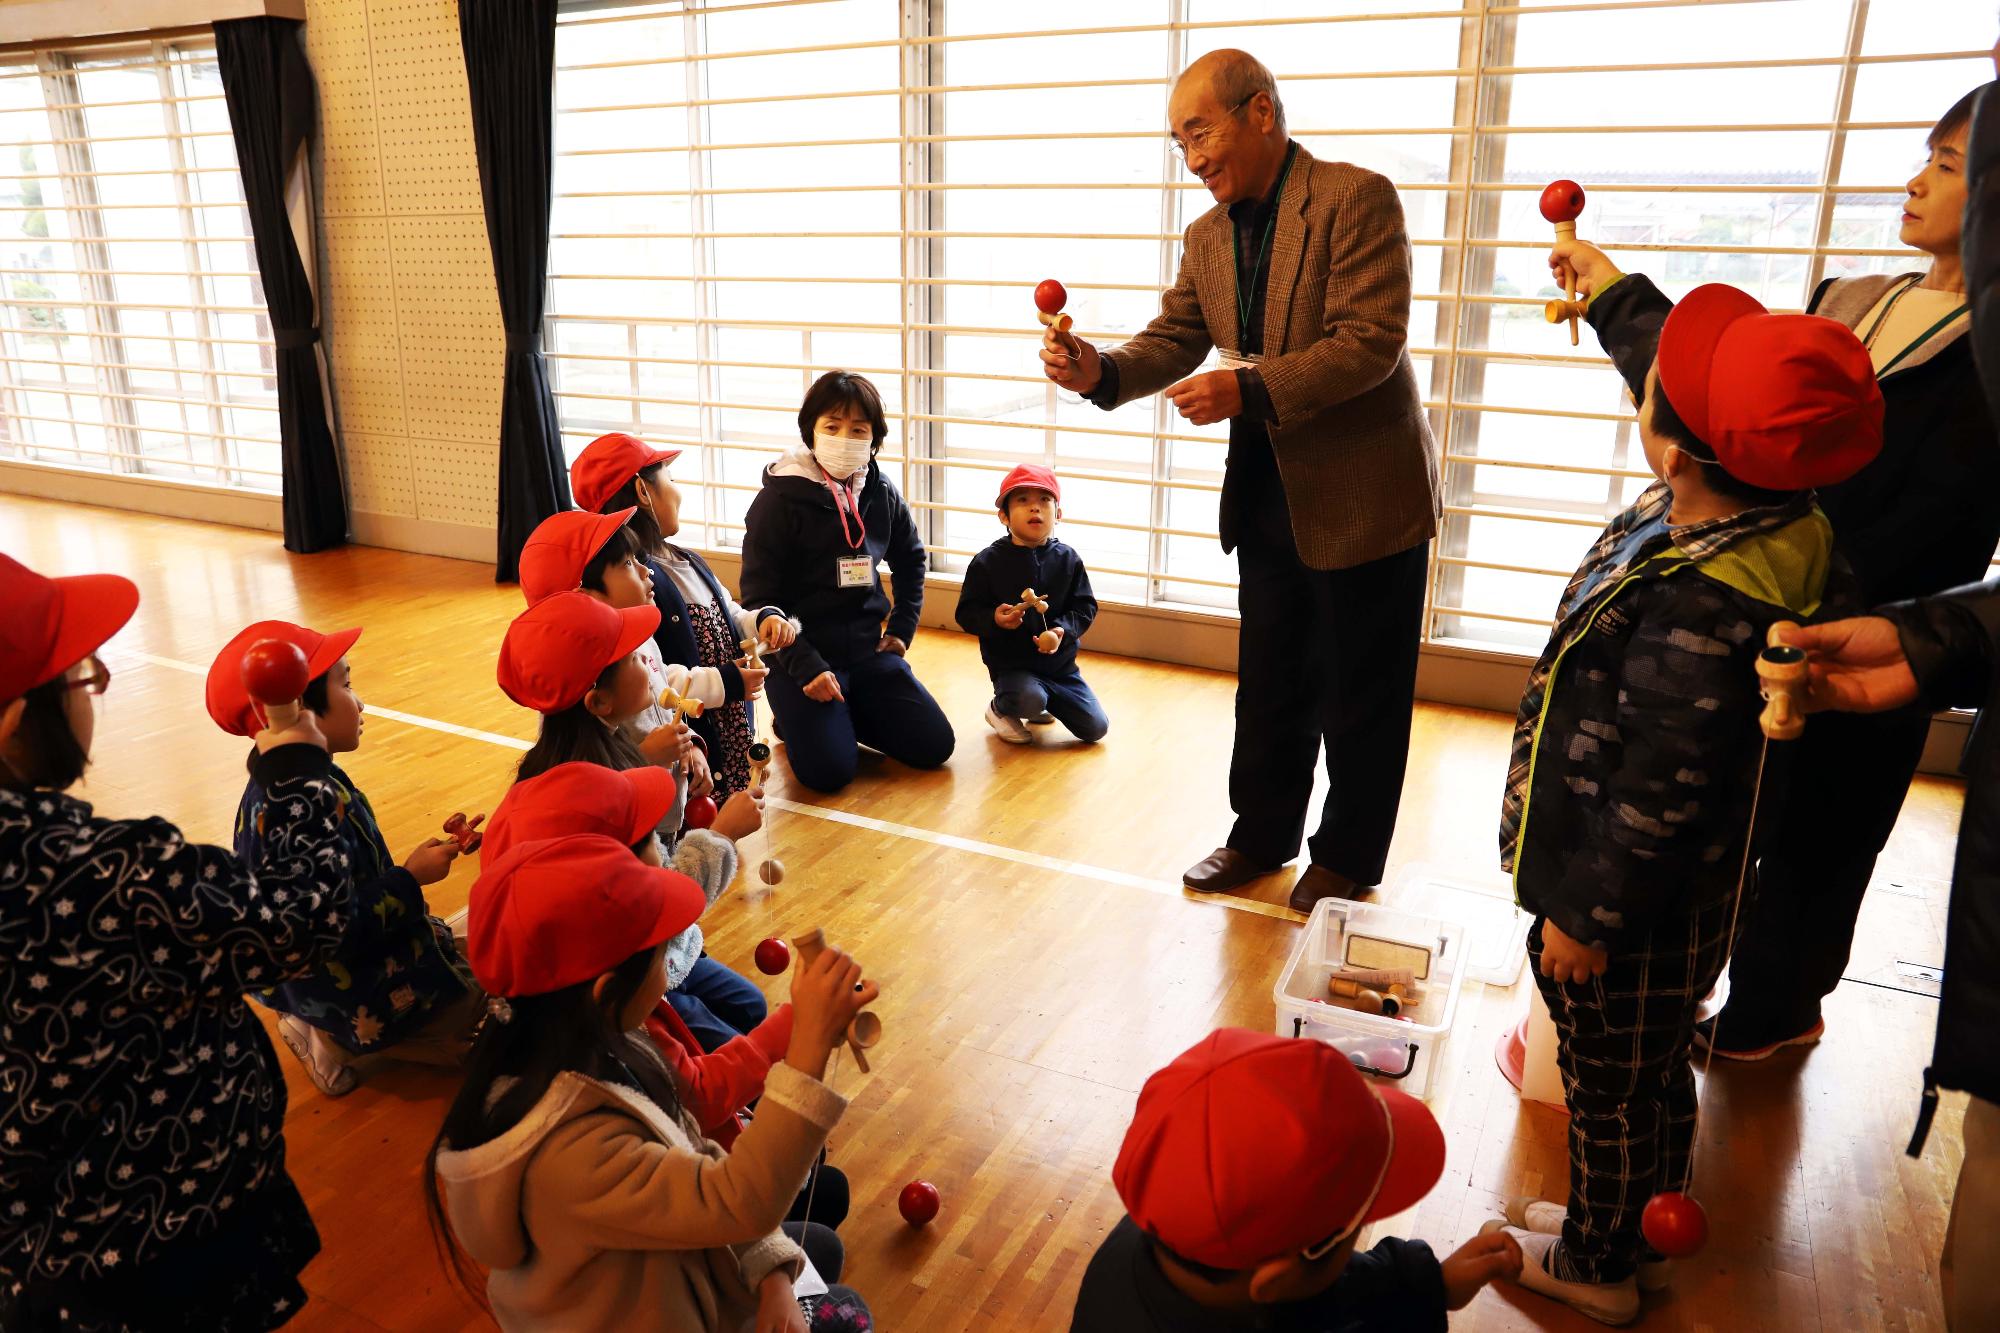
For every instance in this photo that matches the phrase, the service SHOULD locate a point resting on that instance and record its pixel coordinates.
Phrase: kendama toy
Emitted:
(918, 1203)
(1050, 638)
(1782, 679)
(771, 870)
(680, 705)
(773, 956)
(1562, 203)
(465, 832)
(866, 1029)
(1050, 298)
(1366, 999)
(754, 649)
(275, 674)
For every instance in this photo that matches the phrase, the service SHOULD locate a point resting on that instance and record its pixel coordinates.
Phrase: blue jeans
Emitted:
(717, 1004)
(1063, 694)
(886, 708)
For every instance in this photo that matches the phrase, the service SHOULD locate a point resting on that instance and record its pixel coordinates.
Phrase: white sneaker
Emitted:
(316, 1052)
(1615, 1303)
(1546, 1219)
(1009, 729)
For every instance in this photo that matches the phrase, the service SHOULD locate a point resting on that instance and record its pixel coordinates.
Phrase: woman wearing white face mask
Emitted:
(814, 539)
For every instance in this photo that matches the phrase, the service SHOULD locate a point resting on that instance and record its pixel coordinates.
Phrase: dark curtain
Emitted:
(510, 53)
(273, 104)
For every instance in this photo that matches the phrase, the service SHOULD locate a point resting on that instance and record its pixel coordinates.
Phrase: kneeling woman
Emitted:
(826, 518)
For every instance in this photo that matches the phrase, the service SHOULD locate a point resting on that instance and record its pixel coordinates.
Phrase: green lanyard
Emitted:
(1868, 339)
(1245, 300)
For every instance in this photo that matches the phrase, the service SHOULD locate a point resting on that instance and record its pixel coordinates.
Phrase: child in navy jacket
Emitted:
(1030, 652)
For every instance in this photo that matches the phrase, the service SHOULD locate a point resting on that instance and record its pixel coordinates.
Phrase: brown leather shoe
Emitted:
(1317, 882)
(1223, 871)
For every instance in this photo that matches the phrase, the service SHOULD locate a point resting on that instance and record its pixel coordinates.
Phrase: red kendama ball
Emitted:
(700, 812)
(1674, 1224)
(1562, 201)
(1050, 297)
(275, 671)
(773, 956)
(918, 1202)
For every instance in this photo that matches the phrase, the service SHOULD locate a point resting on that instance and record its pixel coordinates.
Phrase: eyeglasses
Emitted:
(95, 677)
(1204, 138)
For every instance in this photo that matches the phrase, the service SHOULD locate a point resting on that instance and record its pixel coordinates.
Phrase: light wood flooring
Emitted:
(1037, 965)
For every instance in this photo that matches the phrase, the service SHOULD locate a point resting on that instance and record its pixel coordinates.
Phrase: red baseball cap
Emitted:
(1029, 474)
(1788, 402)
(553, 913)
(555, 553)
(556, 649)
(229, 702)
(1249, 1147)
(608, 462)
(49, 625)
(578, 797)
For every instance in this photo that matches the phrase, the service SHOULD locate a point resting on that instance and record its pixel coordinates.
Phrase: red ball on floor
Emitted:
(918, 1202)
(1674, 1224)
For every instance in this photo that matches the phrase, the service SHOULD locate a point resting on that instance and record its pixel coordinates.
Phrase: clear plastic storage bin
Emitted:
(1406, 1049)
(1496, 931)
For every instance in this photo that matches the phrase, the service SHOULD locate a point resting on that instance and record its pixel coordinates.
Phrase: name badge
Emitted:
(856, 571)
(1240, 360)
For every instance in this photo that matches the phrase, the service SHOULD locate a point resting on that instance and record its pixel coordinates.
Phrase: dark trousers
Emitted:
(1622, 1043)
(1845, 784)
(886, 708)
(717, 1004)
(1325, 657)
(1061, 694)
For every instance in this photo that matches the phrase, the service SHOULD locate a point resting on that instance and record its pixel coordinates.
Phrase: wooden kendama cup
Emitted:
(1031, 598)
(680, 705)
(1050, 298)
(275, 674)
(1782, 679)
(754, 649)
(771, 870)
(1562, 204)
(866, 1029)
(465, 832)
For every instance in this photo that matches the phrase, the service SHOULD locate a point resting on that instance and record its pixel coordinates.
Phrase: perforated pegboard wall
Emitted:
(411, 316)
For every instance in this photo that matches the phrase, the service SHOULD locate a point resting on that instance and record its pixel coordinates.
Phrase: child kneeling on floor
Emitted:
(1250, 1167)
(1031, 652)
(567, 1164)
(397, 985)
(1637, 752)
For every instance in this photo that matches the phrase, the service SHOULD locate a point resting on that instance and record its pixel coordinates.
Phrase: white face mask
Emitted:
(840, 457)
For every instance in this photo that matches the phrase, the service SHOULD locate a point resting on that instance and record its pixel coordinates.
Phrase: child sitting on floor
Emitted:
(568, 1165)
(1637, 751)
(1250, 1167)
(397, 984)
(1031, 653)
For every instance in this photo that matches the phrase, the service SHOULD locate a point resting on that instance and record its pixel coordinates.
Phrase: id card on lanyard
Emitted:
(851, 571)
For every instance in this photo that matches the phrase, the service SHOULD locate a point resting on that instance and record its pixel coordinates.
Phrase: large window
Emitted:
(133, 336)
(750, 193)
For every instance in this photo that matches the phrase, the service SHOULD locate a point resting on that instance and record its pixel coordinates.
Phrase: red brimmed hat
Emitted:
(553, 913)
(1787, 402)
(1026, 475)
(49, 625)
(229, 702)
(1251, 1147)
(624, 806)
(554, 556)
(556, 649)
(607, 463)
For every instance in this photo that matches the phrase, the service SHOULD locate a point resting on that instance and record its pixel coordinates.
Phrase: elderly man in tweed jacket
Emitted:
(1300, 275)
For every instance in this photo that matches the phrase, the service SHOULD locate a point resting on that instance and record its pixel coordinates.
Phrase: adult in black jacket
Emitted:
(814, 540)
(1923, 517)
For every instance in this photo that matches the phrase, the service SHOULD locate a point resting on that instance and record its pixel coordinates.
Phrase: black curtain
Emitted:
(273, 104)
(510, 55)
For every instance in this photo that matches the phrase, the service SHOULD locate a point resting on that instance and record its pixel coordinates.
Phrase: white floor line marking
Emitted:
(1057, 865)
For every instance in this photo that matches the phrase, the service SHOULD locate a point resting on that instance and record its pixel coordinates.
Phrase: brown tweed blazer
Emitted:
(1352, 442)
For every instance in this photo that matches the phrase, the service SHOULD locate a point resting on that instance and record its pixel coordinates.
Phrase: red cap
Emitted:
(49, 625)
(553, 913)
(581, 798)
(1029, 474)
(608, 462)
(553, 558)
(229, 702)
(1787, 402)
(556, 649)
(1250, 1147)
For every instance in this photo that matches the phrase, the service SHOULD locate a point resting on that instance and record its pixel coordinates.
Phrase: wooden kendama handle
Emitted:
(1782, 677)
(866, 1029)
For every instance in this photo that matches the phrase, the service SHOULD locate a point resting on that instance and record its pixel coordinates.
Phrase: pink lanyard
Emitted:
(854, 543)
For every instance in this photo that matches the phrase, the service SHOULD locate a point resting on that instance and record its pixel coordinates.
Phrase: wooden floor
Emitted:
(1037, 965)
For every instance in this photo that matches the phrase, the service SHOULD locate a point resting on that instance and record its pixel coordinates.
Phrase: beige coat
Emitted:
(599, 1211)
(1353, 445)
